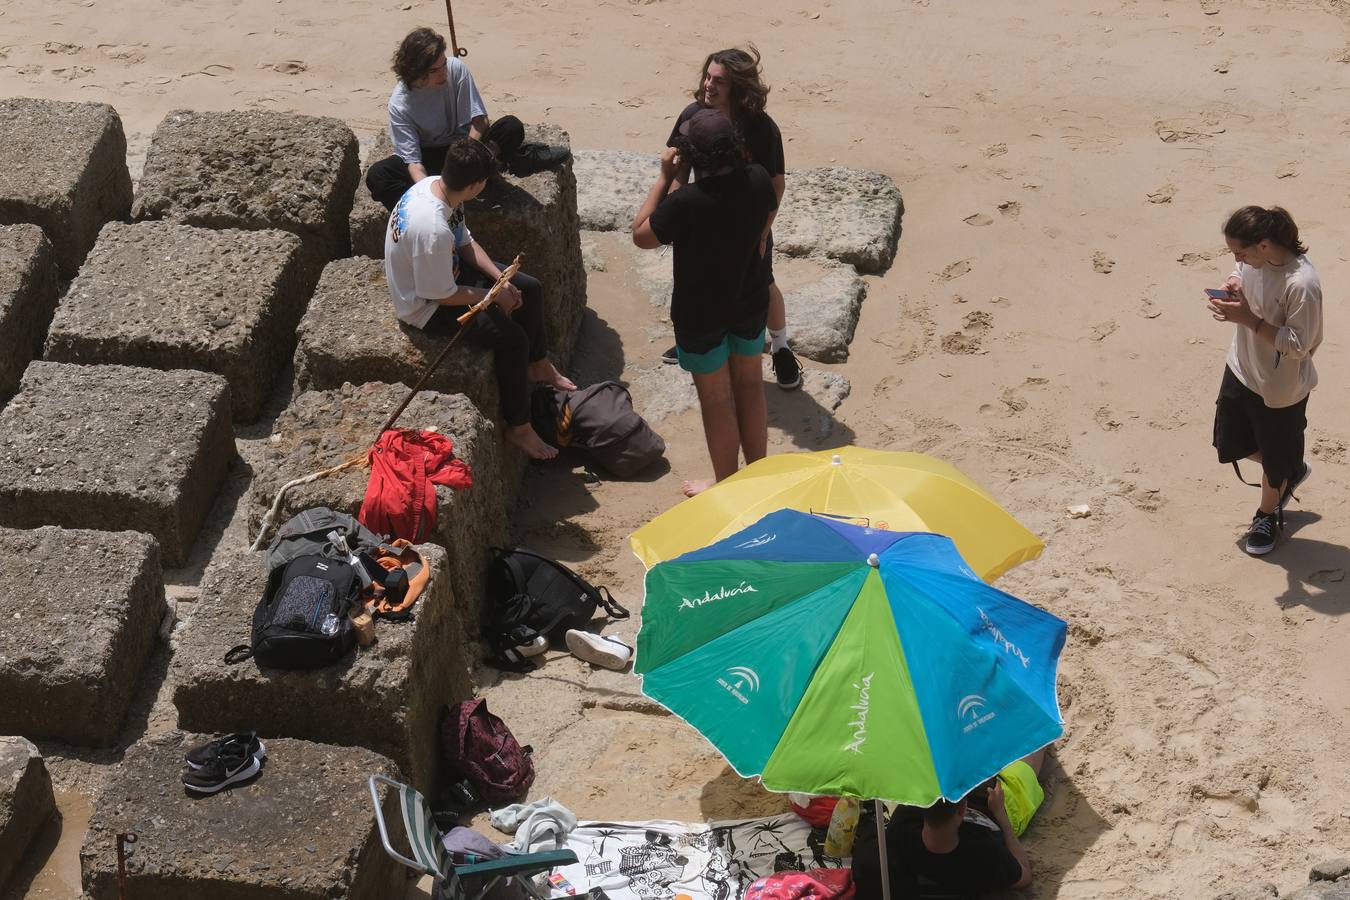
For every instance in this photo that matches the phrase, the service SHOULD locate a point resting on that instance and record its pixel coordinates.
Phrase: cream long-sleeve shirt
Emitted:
(1290, 298)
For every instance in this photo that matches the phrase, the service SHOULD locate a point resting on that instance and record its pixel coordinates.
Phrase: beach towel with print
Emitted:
(405, 467)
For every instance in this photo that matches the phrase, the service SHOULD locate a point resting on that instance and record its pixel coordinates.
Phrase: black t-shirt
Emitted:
(979, 864)
(716, 224)
(763, 140)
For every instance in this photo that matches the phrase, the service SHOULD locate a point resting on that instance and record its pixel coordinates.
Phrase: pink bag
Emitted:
(817, 884)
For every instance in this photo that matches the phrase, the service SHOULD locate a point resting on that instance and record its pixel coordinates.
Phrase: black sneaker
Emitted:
(532, 158)
(671, 356)
(787, 370)
(1293, 485)
(1261, 536)
(200, 756)
(231, 765)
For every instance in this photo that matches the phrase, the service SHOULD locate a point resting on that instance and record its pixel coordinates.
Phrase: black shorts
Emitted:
(1244, 425)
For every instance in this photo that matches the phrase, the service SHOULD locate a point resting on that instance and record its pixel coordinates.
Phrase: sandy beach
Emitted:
(1065, 168)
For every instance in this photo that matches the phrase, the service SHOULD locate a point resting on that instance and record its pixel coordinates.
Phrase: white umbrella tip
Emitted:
(873, 560)
(837, 460)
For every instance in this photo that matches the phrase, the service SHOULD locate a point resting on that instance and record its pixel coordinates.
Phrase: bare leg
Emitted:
(528, 440)
(777, 311)
(544, 372)
(752, 414)
(1036, 760)
(720, 428)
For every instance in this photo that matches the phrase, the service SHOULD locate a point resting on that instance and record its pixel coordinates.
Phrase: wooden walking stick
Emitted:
(361, 458)
(455, 48)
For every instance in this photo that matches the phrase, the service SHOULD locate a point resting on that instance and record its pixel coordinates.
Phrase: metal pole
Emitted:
(124, 838)
(881, 849)
(455, 48)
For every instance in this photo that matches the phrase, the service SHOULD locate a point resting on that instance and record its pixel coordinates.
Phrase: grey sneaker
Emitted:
(1262, 533)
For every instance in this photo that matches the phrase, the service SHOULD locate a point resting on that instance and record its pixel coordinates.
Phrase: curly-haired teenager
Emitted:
(1276, 302)
(731, 83)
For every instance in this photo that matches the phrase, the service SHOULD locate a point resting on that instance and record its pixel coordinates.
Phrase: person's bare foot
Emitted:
(544, 372)
(694, 486)
(525, 437)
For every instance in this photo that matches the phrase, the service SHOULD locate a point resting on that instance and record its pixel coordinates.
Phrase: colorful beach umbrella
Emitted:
(885, 490)
(830, 658)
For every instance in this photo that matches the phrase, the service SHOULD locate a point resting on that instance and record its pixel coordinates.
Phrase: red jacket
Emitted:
(405, 467)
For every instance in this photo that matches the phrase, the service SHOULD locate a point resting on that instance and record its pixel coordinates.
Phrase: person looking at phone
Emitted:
(1275, 299)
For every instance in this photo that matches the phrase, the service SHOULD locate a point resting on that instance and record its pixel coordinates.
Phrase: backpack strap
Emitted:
(1238, 472)
(610, 605)
(238, 654)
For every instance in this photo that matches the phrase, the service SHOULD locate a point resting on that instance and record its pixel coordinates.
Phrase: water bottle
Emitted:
(844, 822)
(330, 624)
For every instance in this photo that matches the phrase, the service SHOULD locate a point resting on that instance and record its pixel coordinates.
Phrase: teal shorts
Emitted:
(710, 361)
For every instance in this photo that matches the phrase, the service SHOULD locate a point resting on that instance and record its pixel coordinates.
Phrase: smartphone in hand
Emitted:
(1215, 294)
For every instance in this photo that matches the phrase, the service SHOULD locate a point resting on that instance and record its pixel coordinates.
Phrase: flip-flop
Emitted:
(598, 650)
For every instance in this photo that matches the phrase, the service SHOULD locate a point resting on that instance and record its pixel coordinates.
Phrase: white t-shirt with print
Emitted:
(421, 252)
(1289, 297)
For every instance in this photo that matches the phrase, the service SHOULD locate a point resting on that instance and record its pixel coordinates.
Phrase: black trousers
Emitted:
(389, 178)
(516, 340)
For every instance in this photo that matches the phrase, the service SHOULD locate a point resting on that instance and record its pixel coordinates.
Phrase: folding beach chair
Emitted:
(464, 882)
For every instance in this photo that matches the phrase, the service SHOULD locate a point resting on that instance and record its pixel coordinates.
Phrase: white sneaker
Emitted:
(598, 650)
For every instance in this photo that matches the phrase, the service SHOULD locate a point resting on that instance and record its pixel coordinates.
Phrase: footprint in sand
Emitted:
(955, 270)
(286, 66)
(127, 53)
(1326, 576)
(1163, 194)
(72, 73)
(979, 220)
(1148, 310)
(1105, 330)
(1102, 263)
(1106, 419)
(214, 70)
(1330, 450)
(1197, 258)
(977, 320)
(1223, 65)
(1010, 208)
(1288, 170)
(1210, 7)
(995, 150)
(58, 47)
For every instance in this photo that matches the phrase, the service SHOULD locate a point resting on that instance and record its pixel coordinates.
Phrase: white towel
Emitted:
(538, 826)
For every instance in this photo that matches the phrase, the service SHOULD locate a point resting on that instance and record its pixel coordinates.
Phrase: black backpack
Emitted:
(599, 419)
(303, 620)
(530, 595)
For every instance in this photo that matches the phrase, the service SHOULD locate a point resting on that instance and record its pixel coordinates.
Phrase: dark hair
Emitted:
(727, 152)
(749, 94)
(416, 56)
(1254, 224)
(940, 813)
(467, 162)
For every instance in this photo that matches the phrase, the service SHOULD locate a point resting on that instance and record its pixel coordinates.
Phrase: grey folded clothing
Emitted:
(541, 825)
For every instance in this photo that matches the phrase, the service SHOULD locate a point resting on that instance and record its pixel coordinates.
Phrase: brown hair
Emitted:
(467, 162)
(416, 55)
(749, 94)
(1254, 224)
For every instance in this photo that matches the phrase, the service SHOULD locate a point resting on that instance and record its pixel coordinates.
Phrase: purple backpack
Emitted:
(480, 747)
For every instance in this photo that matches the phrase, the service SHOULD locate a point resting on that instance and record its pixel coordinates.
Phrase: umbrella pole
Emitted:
(881, 849)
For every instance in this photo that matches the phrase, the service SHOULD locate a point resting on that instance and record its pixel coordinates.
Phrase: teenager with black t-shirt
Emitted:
(720, 301)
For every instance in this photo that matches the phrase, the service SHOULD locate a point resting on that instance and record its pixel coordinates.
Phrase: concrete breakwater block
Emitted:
(115, 448)
(323, 428)
(384, 697)
(349, 333)
(611, 185)
(369, 218)
(846, 214)
(26, 801)
(81, 610)
(303, 829)
(63, 167)
(254, 169)
(170, 296)
(28, 291)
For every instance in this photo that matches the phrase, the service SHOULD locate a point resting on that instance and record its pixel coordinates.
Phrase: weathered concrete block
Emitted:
(1330, 870)
(115, 448)
(170, 296)
(349, 334)
(846, 214)
(63, 167)
(81, 610)
(662, 391)
(611, 185)
(384, 697)
(28, 292)
(303, 829)
(369, 218)
(1261, 891)
(536, 216)
(254, 169)
(1323, 890)
(26, 800)
(323, 428)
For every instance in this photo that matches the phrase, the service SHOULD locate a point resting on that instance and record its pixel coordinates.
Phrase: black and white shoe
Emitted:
(200, 756)
(671, 356)
(786, 370)
(231, 765)
(598, 649)
(1265, 528)
(532, 158)
(1293, 485)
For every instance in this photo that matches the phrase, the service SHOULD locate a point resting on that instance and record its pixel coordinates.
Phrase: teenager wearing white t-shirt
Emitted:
(436, 271)
(1276, 302)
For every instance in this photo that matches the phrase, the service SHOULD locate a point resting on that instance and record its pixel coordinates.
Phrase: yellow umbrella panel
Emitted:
(894, 491)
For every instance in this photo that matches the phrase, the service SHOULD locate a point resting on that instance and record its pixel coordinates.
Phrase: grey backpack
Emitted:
(306, 534)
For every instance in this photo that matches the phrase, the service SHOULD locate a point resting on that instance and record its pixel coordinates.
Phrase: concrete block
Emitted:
(28, 292)
(323, 428)
(349, 334)
(63, 167)
(846, 214)
(303, 829)
(384, 697)
(611, 185)
(115, 448)
(536, 216)
(81, 610)
(254, 169)
(170, 296)
(26, 801)
(368, 218)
